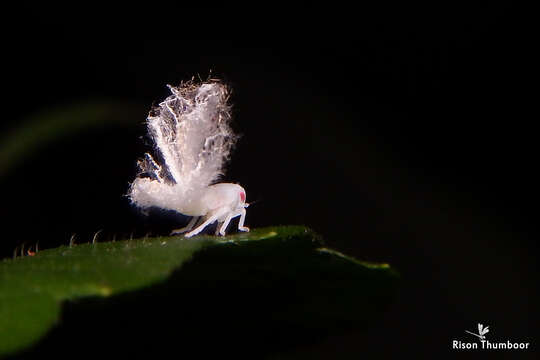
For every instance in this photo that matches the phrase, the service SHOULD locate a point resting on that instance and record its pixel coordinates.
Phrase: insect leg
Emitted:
(218, 227)
(186, 228)
(241, 226)
(226, 223)
(210, 220)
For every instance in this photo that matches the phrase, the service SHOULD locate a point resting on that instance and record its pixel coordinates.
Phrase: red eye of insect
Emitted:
(243, 197)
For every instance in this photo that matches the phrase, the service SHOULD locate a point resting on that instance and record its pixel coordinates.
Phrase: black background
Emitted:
(406, 137)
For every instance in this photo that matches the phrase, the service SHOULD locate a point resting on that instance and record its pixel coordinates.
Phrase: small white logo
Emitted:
(486, 344)
(482, 331)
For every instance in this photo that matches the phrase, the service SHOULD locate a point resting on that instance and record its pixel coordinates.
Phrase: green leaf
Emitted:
(265, 280)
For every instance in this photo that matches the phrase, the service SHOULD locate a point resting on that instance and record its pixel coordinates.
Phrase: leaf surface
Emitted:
(270, 281)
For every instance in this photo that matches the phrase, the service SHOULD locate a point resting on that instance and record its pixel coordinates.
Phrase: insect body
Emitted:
(191, 131)
(220, 202)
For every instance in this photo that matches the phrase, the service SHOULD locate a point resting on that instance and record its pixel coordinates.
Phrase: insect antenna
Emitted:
(253, 202)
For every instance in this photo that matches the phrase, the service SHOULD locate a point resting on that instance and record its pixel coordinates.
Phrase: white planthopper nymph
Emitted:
(191, 132)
